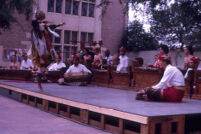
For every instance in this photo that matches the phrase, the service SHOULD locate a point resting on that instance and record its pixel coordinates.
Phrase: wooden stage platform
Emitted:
(112, 109)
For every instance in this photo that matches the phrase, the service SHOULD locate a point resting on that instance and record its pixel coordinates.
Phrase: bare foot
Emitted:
(40, 87)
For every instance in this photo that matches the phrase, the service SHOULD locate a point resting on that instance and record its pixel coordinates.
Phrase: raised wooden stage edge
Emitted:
(127, 116)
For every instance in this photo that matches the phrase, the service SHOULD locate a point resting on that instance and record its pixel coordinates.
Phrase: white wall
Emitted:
(177, 57)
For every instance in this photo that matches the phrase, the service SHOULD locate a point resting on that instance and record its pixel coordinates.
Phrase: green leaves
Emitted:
(174, 22)
(9, 7)
(136, 39)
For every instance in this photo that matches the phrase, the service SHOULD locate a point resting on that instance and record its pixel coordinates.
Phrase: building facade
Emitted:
(15, 39)
(85, 24)
(114, 23)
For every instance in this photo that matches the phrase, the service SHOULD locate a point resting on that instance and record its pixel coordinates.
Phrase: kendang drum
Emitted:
(75, 77)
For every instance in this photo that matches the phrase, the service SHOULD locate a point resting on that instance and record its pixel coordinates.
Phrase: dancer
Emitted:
(42, 50)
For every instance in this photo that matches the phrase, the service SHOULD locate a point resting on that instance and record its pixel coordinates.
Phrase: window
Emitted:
(74, 36)
(66, 52)
(68, 7)
(73, 50)
(92, 0)
(91, 10)
(90, 37)
(75, 7)
(57, 39)
(66, 37)
(84, 9)
(58, 6)
(57, 48)
(88, 8)
(69, 51)
(50, 5)
(83, 37)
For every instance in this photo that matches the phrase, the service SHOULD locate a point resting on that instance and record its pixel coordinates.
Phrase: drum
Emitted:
(74, 77)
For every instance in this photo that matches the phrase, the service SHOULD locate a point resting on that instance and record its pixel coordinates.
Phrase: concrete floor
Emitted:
(18, 118)
(121, 100)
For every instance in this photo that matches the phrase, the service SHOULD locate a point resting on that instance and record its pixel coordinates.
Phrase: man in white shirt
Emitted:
(26, 63)
(170, 88)
(58, 65)
(108, 57)
(123, 61)
(77, 74)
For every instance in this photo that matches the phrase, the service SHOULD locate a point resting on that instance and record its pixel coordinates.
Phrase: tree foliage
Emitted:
(178, 22)
(9, 7)
(136, 39)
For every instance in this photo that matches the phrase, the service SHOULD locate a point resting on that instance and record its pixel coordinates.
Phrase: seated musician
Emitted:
(123, 61)
(193, 63)
(14, 63)
(76, 74)
(26, 63)
(169, 89)
(98, 60)
(58, 65)
(140, 61)
(108, 57)
(163, 51)
(188, 51)
(87, 58)
(115, 60)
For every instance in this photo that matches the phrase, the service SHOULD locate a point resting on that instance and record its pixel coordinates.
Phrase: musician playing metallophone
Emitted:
(188, 51)
(169, 89)
(14, 63)
(76, 74)
(98, 60)
(58, 65)
(26, 63)
(163, 51)
(123, 61)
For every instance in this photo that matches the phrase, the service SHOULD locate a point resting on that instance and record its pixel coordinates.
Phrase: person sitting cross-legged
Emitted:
(76, 74)
(169, 89)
